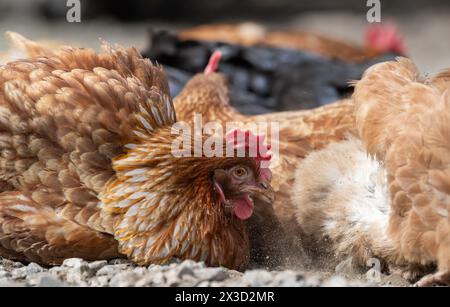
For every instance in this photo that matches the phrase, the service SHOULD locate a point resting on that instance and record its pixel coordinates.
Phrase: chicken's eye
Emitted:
(240, 172)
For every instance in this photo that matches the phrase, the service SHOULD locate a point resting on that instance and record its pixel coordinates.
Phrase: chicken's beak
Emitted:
(263, 192)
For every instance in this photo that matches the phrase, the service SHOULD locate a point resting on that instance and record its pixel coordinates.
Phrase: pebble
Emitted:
(47, 280)
(99, 281)
(4, 274)
(257, 278)
(159, 279)
(212, 274)
(19, 273)
(185, 271)
(109, 270)
(124, 279)
(172, 279)
(97, 265)
(34, 268)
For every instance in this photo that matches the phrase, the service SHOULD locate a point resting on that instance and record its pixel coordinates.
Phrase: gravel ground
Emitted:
(122, 273)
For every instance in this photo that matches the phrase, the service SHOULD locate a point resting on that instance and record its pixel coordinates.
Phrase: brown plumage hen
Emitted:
(87, 168)
(388, 195)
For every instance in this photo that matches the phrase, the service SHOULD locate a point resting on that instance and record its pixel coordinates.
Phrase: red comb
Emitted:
(246, 139)
(385, 38)
(213, 63)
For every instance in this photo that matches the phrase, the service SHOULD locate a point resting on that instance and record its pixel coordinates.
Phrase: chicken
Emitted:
(379, 39)
(299, 132)
(386, 196)
(87, 167)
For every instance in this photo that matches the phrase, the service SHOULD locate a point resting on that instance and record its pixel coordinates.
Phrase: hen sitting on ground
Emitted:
(87, 167)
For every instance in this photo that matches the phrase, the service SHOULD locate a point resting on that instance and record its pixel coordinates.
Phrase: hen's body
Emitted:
(403, 123)
(86, 168)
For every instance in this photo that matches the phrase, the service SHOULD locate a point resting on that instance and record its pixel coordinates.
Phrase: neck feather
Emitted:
(207, 95)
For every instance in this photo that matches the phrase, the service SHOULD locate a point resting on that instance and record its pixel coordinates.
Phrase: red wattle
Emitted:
(243, 208)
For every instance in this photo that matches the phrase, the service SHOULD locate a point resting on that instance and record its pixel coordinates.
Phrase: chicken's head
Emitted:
(238, 186)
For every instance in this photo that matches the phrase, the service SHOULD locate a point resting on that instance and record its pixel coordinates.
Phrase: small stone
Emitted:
(108, 270)
(146, 281)
(97, 265)
(172, 279)
(19, 273)
(258, 278)
(124, 279)
(46, 280)
(159, 268)
(58, 271)
(140, 271)
(10, 264)
(78, 271)
(159, 279)
(99, 281)
(211, 274)
(74, 263)
(185, 271)
(34, 268)
(192, 264)
(4, 274)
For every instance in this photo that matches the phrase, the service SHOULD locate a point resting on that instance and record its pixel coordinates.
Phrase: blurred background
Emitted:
(425, 23)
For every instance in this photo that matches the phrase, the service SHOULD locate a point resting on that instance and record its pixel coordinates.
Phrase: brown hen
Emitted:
(393, 204)
(87, 168)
